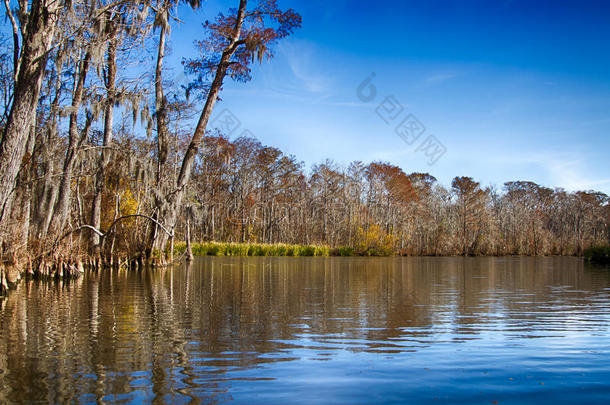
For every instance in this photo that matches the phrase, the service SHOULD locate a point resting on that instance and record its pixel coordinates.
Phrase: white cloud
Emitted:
(569, 171)
(572, 175)
(301, 59)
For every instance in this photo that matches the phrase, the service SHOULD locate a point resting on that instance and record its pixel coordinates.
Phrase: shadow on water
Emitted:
(266, 329)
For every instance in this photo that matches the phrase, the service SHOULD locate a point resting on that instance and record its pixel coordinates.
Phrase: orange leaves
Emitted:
(397, 184)
(262, 26)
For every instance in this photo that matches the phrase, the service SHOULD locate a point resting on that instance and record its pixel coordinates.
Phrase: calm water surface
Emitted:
(314, 330)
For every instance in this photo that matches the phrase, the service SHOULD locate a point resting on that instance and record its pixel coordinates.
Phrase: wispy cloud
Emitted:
(347, 104)
(572, 175)
(301, 59)
(566, 171)
(439, 78)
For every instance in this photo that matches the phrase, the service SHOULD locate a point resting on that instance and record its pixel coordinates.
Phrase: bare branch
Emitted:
(11, 17)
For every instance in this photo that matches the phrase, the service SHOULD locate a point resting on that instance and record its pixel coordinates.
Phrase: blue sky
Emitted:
(514, 90)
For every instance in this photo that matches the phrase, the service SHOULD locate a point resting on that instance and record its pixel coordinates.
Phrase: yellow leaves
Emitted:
(251, 235)
(118, 201)
(128, 204)
(374, 242)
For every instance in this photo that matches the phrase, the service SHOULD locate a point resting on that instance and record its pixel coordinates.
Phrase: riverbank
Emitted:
(251, 249)
(259, 249)
(598, 254)
(202, 249)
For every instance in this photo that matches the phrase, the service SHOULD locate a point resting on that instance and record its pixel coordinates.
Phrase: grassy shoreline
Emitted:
(597, 254)
(260, 249)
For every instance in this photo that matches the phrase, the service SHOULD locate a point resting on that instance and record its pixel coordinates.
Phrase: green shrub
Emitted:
(322, 251)
(280, 250)
(307, 250)
(346, 251)
(290, 250)
(179, 248)
(598, 254)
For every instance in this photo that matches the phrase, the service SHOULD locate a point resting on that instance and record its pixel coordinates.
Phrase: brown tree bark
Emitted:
(60, 211)
(162, 131)
(110, 83)
(169, 211)
(39, 32)
(161, 107)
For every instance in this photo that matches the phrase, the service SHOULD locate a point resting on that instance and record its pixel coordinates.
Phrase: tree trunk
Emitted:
(74, 140)
(189, 250)
(47, 192)
(169, 211)
(20, 214)
(162, 136)
(161, 108)
(38, 37)
(110, 82)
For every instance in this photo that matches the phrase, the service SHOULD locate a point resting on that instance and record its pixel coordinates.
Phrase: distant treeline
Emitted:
(243, 191)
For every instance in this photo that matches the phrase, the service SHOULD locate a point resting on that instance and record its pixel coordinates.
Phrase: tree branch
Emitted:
(15, 39)
(171, 234)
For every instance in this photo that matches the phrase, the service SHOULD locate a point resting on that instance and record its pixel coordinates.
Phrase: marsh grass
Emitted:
(252, 249)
